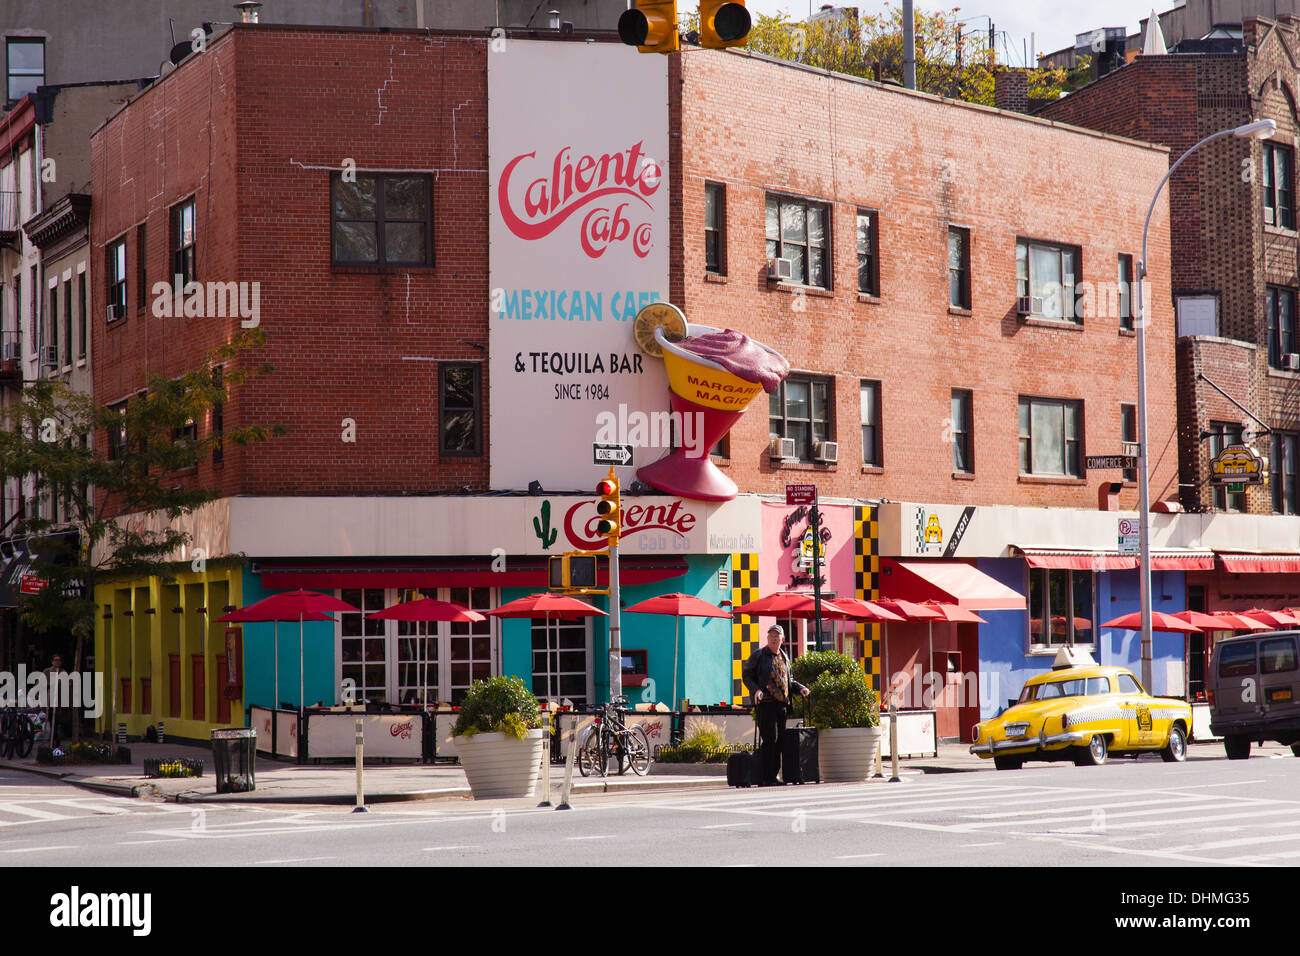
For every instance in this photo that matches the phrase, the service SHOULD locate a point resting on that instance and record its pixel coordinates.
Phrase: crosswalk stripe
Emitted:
(91, 804)
(1075, 807)
(1182, 821)
(23, 811)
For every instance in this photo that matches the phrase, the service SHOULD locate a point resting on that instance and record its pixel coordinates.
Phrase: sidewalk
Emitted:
(335, 783)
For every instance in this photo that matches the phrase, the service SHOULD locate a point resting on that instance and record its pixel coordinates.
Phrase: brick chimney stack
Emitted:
(1011, 90)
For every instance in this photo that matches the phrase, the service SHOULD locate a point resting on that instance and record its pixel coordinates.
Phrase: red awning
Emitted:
(1260, 563)
(949, 581)
(1081, 560)
(451, 573)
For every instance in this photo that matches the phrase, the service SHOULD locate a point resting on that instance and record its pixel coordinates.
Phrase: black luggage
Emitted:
(745, 769)
(799, 755)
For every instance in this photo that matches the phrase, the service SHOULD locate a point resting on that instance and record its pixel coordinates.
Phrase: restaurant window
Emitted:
(25, 65)
(1127, 307)
(116, 273)
(1060, 607)
(460, 409)
(183, 244)
(963, 440)
(1050, 435)
(363, 645)
(869, 401)
(83, 315)
(1223, 434)
(800, 231)
(1045, 275)
(1279, 167)
(959, 268)
(1279, 305)
(381, 220)
(1283, 465)
(439, 661)
(800, 409)
(715, 228)
(868, 252)
(561, 660)
(1128, 436)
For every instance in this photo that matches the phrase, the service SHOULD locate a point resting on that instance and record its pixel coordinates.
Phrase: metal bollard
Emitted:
(568, 767)
(893, 743)
(546, 761)
(361, 794)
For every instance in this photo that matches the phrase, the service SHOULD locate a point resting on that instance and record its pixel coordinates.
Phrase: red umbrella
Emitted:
(678, 605)
(1160, 621)
(290, 606)
(862, 610)
(908, 611)
(1271, 618)
(784, 604)
(955, 614)
(547, 605)
(426, 609)
(1206, 622)
(1235, 622)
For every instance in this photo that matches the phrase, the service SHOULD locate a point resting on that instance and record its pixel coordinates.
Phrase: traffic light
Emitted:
(608, 508)
(651, 26)
(723, 23)
(574, 570)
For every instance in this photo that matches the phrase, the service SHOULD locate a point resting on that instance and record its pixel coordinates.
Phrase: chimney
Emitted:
(248, 10)
(1011, 90)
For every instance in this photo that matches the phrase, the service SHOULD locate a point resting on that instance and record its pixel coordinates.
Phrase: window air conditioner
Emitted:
(115, 312)
(782, 448)
(1291, 361)
(780, 270)
(827, 451)
(1029, 305)
(50, 356)
(13, 350)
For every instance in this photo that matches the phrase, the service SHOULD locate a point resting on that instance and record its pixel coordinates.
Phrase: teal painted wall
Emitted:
(259, 660)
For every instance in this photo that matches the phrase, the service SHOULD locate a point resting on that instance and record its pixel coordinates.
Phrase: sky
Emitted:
(1052, 24)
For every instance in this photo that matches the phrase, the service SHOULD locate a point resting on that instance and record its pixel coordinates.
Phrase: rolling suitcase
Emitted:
(799, 755)
(746, 769)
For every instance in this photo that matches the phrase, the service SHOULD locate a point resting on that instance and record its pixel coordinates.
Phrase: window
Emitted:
(25, 63)
(800, 409)
(34, 317)
(1060, 607)
(1129, 685)
(868, 252)
(1279, 207)
(1050, 432)
(116, 271)
(1277, 656)
(440, 661)
(715, 235)
(869, 399)
(723, 448)
(1127, 310)
(52, 329)
(183, 243)
(561, 660)
(1280, 307)
(67, 321)
(218, 420)
(963, 446)
(18, 308)
(362, 645)
(1237, 660)
(1046, 273)
(1283, 464)
(381, 220)
(83, 326)
(1223, 434)
(459, 405)
(141, 272)
(798, 231)
(959, 268)
(117, 433)
(1128, 436)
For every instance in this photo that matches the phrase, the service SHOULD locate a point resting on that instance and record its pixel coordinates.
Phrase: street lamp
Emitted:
(1260, 129)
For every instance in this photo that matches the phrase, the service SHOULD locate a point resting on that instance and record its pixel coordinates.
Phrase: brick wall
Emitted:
(758, 127)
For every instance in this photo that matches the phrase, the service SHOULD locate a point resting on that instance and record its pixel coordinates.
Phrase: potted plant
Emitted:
(845, 711)
(499, 738)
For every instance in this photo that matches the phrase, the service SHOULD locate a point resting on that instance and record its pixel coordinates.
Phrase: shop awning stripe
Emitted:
(1260, 563)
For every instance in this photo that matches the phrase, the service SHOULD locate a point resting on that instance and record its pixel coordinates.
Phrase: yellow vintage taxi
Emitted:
(1085, 714)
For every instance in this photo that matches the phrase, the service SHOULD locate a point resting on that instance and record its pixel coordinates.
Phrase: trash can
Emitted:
(233, 754)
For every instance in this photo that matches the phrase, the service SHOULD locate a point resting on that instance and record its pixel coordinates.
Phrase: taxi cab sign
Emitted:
(1237, 464)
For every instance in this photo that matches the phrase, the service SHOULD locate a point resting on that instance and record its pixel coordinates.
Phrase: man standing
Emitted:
(767, 675)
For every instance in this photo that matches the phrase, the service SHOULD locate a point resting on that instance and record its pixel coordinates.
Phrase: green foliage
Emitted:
(705, 735)
(948, 63)
(63, 440)
(686, 752)
(810, 666)
(498, 705)
(843, 700)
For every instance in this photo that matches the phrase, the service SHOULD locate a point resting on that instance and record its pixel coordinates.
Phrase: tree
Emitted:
(950, 60)
(49, 437)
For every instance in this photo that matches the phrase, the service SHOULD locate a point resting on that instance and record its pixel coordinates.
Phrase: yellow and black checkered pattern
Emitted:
(866, 581)
(744, 629)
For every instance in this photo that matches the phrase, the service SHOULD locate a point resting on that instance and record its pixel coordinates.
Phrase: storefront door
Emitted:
(562, 661)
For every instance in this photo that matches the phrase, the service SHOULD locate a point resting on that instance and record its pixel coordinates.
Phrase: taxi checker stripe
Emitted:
(1099, 713)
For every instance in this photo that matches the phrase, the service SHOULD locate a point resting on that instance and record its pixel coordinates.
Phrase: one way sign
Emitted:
(611, 454)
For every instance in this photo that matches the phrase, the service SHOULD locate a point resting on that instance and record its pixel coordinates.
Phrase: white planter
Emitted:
(847, 753)
(498, 765)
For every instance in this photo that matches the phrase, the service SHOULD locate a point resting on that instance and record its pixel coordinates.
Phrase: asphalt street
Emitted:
(1129, 813)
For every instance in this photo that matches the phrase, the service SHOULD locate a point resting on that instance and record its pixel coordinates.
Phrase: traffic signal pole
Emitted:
(814, 523)
(615, 648)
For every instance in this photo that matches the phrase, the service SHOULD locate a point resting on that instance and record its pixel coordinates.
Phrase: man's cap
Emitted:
(778, 628)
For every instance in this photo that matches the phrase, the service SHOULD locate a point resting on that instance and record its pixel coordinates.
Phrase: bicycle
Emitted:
(608, 736)
(17, 735)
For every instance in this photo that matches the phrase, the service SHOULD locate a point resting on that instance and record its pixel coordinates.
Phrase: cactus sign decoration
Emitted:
(542, 526)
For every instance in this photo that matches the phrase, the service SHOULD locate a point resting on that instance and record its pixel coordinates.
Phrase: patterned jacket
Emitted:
(757, 672)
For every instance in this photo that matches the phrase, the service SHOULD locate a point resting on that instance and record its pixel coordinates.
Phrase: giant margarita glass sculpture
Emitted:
(713, 375)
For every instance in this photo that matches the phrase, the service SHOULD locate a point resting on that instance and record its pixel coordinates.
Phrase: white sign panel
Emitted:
(1129, 541)
(578, 232)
